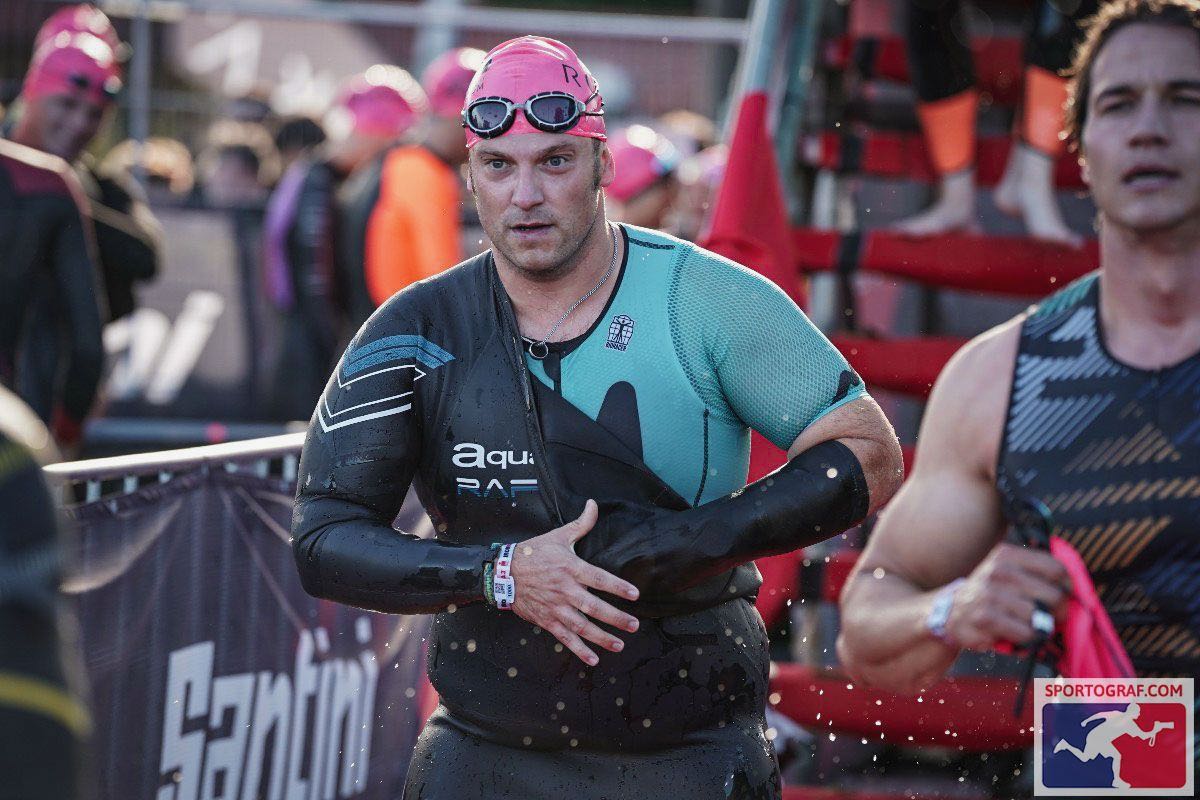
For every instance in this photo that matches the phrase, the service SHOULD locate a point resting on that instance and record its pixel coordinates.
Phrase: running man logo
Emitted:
(620, 331)
(1114, 738)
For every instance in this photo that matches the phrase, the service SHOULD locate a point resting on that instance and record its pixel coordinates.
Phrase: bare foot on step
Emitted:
(1027, 191)
(954, 210)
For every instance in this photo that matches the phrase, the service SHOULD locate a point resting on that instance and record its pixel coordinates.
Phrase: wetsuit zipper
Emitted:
(532, 425)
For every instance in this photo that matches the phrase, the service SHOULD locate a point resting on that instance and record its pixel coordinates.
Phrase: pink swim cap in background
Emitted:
(520, 68)
(385, 101)
(82, 18)
(78, 64)
(642, 157)
(446, 80)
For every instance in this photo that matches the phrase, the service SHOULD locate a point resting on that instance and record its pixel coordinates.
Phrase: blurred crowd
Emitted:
(357, 203)
(361, 200)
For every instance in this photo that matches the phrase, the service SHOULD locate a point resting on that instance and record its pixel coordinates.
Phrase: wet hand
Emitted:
(552, 590)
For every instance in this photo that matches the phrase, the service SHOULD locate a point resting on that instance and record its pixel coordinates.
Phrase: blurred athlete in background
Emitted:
(402, 212)
(44, 721)
(69, 93)
(302, 276)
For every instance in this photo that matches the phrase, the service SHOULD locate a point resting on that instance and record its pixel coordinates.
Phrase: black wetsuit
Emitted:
(313, 324)
(1114, 452)
(43, 724)
(356, 199)
(49, 301)
(938, 36)
(127, 237)
(436, 391)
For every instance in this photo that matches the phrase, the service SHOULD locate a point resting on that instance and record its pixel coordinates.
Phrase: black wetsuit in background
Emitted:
(127, 237)
(49, 293)
(313, 326)
(938, 34)
(43, 723)
(356, 199)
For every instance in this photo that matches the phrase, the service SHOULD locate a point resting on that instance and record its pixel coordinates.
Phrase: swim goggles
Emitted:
(108, 88)
(552, 112)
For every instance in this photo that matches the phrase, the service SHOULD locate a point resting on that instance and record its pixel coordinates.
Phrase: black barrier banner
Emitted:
(212, 673)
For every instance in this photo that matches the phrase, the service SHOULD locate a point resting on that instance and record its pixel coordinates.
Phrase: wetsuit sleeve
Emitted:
(752, 353)
(43, 724)
(414, 230)
(813, 497)
(362, 450)
(81, 305)
(313, 262)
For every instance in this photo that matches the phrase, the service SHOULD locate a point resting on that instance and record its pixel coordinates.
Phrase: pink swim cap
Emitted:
(447, 78)
(78, 64)
(384, 101)
(642, 156)
(82, 18)
(520, 68)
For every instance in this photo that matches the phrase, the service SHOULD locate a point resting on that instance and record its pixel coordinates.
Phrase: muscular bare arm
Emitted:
(945, 523)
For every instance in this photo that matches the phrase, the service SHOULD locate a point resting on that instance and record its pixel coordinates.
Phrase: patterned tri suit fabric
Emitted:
(1114, 452)
(650, 409)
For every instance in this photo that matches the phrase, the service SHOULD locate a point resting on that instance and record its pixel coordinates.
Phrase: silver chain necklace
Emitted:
(540, 349)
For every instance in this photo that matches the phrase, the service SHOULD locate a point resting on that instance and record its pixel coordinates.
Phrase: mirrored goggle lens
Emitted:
(487, 115)
(553, 110)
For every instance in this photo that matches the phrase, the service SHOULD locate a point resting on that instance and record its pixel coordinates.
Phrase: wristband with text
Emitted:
(504, 589)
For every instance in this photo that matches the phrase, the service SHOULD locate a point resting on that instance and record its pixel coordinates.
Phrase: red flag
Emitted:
(750, 225)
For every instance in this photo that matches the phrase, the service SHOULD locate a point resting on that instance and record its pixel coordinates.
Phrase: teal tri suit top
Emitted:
(691, 352)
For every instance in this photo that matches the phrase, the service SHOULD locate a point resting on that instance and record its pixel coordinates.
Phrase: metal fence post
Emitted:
(435, 38)
(139, 82)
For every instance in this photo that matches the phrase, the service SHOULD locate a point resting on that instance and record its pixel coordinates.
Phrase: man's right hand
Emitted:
(997, 601)
(552, 589)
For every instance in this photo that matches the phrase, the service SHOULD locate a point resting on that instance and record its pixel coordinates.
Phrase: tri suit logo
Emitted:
(1114, 738)
(620, 331)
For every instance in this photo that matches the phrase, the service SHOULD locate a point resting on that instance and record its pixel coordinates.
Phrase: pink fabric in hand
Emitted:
(1091, 647)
